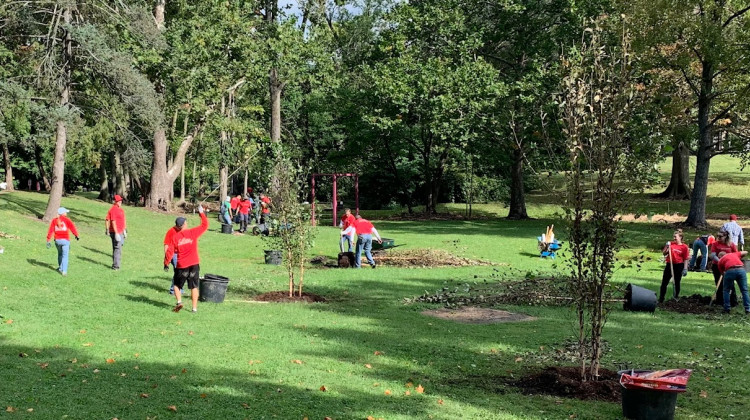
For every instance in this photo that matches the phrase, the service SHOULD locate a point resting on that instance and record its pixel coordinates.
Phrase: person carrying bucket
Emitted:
(677, 255)
(60, 227)
(185, 245)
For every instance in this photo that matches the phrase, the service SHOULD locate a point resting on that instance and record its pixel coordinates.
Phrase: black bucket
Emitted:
(273, 257)
(213, 288)
(639, 299)
(225, 228)
(648, 404)
(346, 260)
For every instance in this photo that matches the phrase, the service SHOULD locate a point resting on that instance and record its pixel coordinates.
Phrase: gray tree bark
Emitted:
(8, 168)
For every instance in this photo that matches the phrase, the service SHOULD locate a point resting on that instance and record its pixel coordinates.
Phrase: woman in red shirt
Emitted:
(60, 228)
(723, 244)
(677, 257)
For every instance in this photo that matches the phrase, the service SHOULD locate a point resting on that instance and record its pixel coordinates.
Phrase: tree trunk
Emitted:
(182, 183)
(61, 130)
(163, 177)
(517, 193)
(679, 182)
(104, 186)
(8, 168)
(159, 13)
(119, 177)
(244, 188)
(40, 168)
(223, 170)
(697, 215)
(436, 179)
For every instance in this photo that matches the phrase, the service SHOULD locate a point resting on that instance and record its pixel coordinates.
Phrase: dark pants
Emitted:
(667, 276)
(720, 293)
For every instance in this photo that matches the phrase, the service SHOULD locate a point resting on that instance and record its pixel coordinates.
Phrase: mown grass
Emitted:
(240, 359)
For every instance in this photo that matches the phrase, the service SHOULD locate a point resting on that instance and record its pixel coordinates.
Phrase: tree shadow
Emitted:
(35, 208)
(41, 264)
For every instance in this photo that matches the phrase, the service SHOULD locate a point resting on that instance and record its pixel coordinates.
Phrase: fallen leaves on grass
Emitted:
(368, 366)
(387, 392)
(704, 394)
(97, 370)
(83, 331)
(110, 360)
(10, 321)
(10, 409)
(43, 365)
(144, 395)
(323, 388)
(22, 354)
(407, 393)
(420, 389)
(440, 402)
(172, 408)
(246, 406)
(378, 353)
(297, 361)
(87, 344)
(184, 370)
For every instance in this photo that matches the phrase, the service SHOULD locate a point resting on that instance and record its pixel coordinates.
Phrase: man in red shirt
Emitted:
(244, 209)
(265, 207)
(733, 269)
(178, 224)
(365, 230)
(116, 229)
(185, 245)
(723, 244)
(347, 219)
(234, 203)
(60, 228)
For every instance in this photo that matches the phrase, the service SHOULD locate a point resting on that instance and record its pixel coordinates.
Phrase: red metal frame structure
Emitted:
(335, 200)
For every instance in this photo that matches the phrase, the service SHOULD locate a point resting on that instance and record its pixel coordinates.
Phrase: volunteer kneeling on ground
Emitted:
(185, 245)
(733, 269)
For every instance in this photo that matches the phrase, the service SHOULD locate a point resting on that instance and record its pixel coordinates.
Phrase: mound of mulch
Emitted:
(694, 304)
(473, 315)
(566, 382)
(547, 291)
(323, 261)
(424, 258)
(283, 297)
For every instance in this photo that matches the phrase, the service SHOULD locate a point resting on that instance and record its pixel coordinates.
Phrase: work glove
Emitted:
(667, 245)
(166, 268)
(684, 272)
(118, 238)
(106, 232)
(49, 245)
(125, 233)
(200, 208)
(77, 238)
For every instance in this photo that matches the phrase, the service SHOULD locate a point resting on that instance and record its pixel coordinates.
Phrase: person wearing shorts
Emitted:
(185, 246)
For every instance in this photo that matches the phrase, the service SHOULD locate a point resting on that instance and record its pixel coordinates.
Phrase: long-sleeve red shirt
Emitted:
(185, 245)
(61, 227)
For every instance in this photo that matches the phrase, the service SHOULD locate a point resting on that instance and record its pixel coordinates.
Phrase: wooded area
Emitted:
(429, 101)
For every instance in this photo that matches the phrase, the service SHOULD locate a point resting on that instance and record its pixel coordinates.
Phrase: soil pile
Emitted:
(694, 304)
(283, 297)
(566, 382)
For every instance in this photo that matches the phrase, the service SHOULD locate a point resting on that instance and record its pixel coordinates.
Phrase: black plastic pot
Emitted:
(346, 260)
(647, 404)
(639, 299)
(273, 257)
(213, 288)
(225, 228)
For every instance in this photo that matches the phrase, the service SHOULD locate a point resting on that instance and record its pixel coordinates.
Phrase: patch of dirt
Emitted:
(473, 315)
(566, 382)
(528, 291)
(283, 297)
(695, 304)
(324, 261)
(424, 258)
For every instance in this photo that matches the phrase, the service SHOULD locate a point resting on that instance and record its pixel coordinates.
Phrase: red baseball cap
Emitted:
(117, 198)
(733, 217)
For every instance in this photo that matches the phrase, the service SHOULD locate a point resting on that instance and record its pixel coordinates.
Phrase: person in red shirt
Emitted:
(116, 229)
(234, 204)
(244, 208)
(365, 230)
(60, 228)
(265, 207)
(185, 245)
(733, 269)
(723, 244)
(677, 257)
(178, 223)
(347, 220)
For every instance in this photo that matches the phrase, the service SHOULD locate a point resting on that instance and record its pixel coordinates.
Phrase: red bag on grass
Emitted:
(670, 380)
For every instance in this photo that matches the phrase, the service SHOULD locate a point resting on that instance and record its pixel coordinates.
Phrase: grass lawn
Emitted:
(103, 344)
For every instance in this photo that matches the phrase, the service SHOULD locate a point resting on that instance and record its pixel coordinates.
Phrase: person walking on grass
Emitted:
(185, 246)
(116, 228)
(178, 224)
(60, 228)
(365, 230)
(244, 209)
(677, 254)
(735, 232)
(724, 245)
(701, 244)
(733, 269)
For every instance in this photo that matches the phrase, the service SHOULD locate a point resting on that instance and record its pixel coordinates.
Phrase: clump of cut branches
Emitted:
(607, 164)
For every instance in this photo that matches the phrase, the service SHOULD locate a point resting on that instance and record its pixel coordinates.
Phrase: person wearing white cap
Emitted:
(60, 227)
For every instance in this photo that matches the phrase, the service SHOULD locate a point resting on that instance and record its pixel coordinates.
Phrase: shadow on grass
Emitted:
(41, 264)
(97, 251)
(92, 261)
(144, 285)
(144, 299)
(78, 385)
